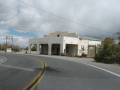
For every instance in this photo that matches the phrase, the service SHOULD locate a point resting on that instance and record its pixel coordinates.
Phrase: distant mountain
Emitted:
(101, 37)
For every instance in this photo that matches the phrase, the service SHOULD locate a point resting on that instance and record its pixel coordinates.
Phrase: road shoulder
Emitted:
(110, 68)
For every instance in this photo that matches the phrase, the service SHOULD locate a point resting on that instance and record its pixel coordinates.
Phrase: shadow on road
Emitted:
(50, 69)
(79, 73)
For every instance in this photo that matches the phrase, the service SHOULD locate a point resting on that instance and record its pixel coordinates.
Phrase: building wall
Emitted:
(46, 40)
(93, 47)
(82, 44)
(116, 41)
(71, 41)
(94, 42)
(62, 34)
(83, 47)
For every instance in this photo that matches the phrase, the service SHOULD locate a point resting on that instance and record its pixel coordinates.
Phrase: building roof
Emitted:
(61, 34)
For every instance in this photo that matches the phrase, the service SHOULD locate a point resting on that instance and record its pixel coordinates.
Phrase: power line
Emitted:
(7, 40)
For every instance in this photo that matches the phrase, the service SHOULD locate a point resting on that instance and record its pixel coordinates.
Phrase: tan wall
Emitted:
(91, 51)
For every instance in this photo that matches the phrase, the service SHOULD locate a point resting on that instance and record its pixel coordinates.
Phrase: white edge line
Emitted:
(103, 70)
(16, 67)
(115, 74)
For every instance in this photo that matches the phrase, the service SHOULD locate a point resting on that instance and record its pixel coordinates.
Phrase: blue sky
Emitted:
(14, 32)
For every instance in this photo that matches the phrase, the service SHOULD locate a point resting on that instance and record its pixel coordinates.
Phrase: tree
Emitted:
(107, 42)
(26, 48)
(16, 48)
(33, 48)
(109, 52)
(118, 35)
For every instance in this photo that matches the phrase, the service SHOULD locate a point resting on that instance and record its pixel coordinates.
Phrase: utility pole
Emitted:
(5, 46)
(1, 44)
(6, 43)
(12, 43)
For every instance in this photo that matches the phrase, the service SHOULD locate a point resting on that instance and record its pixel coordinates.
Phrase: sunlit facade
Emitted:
(62, 43)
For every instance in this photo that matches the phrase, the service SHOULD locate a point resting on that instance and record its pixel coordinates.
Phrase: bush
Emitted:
(84, 55)
(116, 53)
(33, 48)
(109, 52)
(62, 54)
(16, 48)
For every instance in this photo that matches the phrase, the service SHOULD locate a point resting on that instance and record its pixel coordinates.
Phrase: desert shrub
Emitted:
(84, 55)
(109, 54)
(33, 48)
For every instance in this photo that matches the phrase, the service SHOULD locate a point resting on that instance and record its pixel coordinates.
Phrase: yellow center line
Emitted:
(33, 84)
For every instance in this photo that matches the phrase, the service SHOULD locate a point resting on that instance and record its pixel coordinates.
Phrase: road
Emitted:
(16, 71)
(59, 75)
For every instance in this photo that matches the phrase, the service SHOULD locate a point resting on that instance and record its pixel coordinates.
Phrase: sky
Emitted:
(25, 19)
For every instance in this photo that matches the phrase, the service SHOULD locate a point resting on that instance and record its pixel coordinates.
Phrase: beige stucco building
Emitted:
(62, 43)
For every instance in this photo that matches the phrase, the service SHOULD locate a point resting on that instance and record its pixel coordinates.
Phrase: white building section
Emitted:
(9, 50)
(62, 43)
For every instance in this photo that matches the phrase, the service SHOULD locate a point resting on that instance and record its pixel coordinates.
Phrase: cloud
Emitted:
(21, 41)
(7, 9)
(88, 17)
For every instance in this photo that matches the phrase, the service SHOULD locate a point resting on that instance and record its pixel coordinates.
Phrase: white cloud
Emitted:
(90, 17)
(20, 41)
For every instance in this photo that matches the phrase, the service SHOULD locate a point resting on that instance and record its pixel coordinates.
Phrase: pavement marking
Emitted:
(115, 74)
(33, 84)
(16, 67)
(108, 71)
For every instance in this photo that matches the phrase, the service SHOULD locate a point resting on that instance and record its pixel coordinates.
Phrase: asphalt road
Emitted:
(59, 75)
(16, 71)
